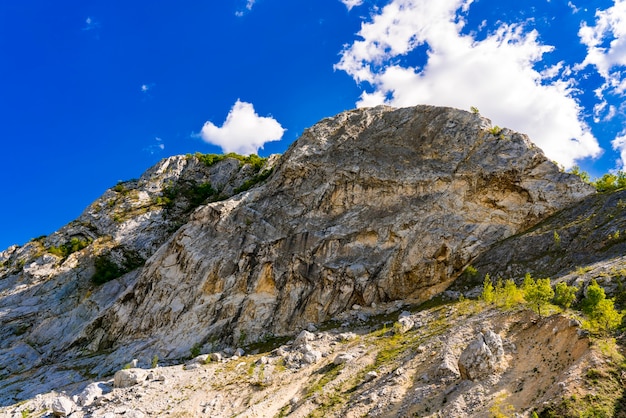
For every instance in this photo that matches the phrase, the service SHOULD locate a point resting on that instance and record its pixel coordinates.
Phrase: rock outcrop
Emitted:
(54, 289)
(582, 242)
(369, 206)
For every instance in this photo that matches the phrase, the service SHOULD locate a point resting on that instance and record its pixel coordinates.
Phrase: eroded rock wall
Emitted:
(369, 206)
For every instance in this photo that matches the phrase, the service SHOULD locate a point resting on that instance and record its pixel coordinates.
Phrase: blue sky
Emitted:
(94, 91)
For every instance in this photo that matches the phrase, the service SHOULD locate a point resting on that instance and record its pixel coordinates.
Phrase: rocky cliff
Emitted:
(53, 288)
(371, 206)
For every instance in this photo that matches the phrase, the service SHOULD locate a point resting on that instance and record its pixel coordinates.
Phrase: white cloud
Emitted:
(495, 74)
(573, 7)
(156, 147)
(619, 144)
(606, 42)
(145, 88)
(249, 5)
(352, 3)
(91, 24)
(244, 131)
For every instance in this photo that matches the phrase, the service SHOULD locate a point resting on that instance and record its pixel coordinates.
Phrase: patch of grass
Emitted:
(194, 351)
(329, 373)
(267, 344)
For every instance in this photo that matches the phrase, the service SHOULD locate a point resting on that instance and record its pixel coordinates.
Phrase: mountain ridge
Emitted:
(367, 208)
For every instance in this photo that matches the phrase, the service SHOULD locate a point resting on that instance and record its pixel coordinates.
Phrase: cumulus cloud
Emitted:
(495, 74)
(606, 41)
(352, 3)
(606, 52)
(244, 131)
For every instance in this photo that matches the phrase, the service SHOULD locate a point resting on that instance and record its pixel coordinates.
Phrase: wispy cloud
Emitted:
(248, 7)
(91, 24)
(352, 3)
(157, 146)
(146, 88)
(496, 74)
(606, 46)
(244, 131)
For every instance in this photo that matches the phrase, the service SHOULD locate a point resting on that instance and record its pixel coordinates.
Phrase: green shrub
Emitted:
(584, 176)
(538, 293)
(195, 350)
(610, 182)
(564, 295)
(212, 159)
(495, 130)
(107, 269)
(470, 271)
(488, 294)
(507, 294)
(199, 193)
(601, 311)
(73, 245)
(262, 176)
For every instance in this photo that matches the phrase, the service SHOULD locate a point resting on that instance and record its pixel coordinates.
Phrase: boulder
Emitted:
(90, 393)
(482, 356)
(303, 338)
(129, 377)
(343, 358)
(62, 406)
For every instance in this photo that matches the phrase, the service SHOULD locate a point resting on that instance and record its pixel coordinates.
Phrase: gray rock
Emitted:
(217, 357)
(482, 356)
(91, 392)
(309, 355)
(62, 406)
(129, 377)
(405, 324)
(303, 338)
(201, 359)
(343, 358)
(369, 376)
(448, 368)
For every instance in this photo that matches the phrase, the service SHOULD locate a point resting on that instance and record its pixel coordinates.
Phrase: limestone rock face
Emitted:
(370, 206)
(50, 306)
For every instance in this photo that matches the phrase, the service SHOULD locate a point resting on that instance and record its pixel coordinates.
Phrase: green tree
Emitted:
(488, 295)
(594, 295)
(584, 176)
(538, 293)
(512, 295)
(606, 316)
(600, 310)
(606, 183)
(564, 295)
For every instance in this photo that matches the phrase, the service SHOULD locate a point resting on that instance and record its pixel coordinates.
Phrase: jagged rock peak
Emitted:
(369, 206)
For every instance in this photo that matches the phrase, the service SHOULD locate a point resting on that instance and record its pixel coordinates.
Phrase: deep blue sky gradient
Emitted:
(74, 119)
